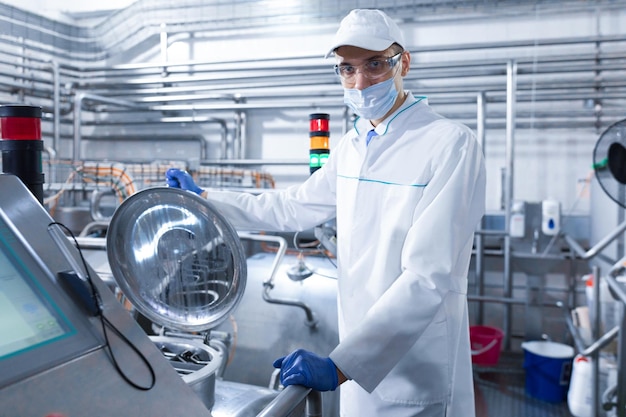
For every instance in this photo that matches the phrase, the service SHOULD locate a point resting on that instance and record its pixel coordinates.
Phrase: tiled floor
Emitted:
(500, 392)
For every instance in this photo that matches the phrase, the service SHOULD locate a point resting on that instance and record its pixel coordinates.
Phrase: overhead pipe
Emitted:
(222, 107)
(488, 66)
(493, 96)
(576, 91)
(239, 141)
(442, 70)
(327, 100)
(580, 118)
(453, 94)
(256, 161)
(130, 22)
(597, 59)
(81, 97)
(464, 65)
(582, 95)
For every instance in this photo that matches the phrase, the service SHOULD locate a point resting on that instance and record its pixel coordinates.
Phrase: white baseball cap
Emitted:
(368, 29)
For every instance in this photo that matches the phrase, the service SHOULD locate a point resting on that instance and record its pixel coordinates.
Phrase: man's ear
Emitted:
(406, 63)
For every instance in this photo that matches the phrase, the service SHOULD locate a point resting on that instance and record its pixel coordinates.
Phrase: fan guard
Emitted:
(609, 162)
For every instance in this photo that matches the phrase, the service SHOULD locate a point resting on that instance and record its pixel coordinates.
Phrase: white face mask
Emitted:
(373, 102)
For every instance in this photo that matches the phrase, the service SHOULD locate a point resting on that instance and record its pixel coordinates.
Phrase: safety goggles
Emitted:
(372, 70)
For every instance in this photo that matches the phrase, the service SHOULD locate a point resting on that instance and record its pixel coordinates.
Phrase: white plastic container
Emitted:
(550, 217)
(579, 395)
(517, 226)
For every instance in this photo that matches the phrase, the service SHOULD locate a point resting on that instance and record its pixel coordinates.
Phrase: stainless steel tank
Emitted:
(264, 331)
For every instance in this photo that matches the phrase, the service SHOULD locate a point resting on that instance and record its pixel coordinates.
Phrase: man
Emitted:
(407, 188)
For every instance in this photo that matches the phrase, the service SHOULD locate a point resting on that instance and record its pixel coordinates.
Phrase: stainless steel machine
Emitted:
(63, 349)
(69, 346)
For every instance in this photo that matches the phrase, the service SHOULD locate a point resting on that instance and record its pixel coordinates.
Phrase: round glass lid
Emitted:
(176, 258)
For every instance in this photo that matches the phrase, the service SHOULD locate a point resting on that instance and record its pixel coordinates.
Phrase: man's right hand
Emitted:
(177, 178)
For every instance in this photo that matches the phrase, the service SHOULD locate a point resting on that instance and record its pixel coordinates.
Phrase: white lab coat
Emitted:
(407, 207)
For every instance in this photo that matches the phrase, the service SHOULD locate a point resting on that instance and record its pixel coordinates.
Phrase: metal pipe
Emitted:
(621, 366)
(239, 139)
(80, 97)
(578, 341)
(323, 87)
(492, 299)
(223, 140)
(511, 89)
(598, 247)
(108, 33)
(56, 104)
(460, 67)
(601, 342)
(598, 344)
(78, 105)
(243, 137)
(311, 320)
(504, 300)
(491, 232)
(297, 65)
(268, 284)
(52, 155)
(617, 288)
(325, 101)
(595, 333)
(256, 162)
(164, 45)
(581, 88)
(481, 119)
(314, 404)
(579, 96)
(618, 268)
(290, 398)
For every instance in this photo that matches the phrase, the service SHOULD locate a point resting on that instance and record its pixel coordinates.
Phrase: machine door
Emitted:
(176, 258)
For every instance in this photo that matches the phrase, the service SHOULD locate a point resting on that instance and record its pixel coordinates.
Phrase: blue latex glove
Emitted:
(308, 369)
(177, 178)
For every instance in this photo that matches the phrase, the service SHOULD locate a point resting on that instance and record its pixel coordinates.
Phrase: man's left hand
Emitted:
(305, 368)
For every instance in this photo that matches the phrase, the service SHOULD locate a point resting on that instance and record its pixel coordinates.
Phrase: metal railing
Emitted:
(290, 399)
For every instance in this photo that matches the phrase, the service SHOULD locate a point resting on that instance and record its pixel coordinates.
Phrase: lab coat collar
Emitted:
(362, 126)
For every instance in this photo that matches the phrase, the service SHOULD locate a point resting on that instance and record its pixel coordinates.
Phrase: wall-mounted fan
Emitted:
(609, 162)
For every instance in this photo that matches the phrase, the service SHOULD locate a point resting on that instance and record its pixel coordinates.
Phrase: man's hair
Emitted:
(396, 48)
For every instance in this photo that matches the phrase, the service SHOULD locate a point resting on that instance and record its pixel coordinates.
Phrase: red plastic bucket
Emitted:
(485, 342)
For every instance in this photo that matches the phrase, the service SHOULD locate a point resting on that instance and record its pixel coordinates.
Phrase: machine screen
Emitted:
(40, 324)
(28, 318)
